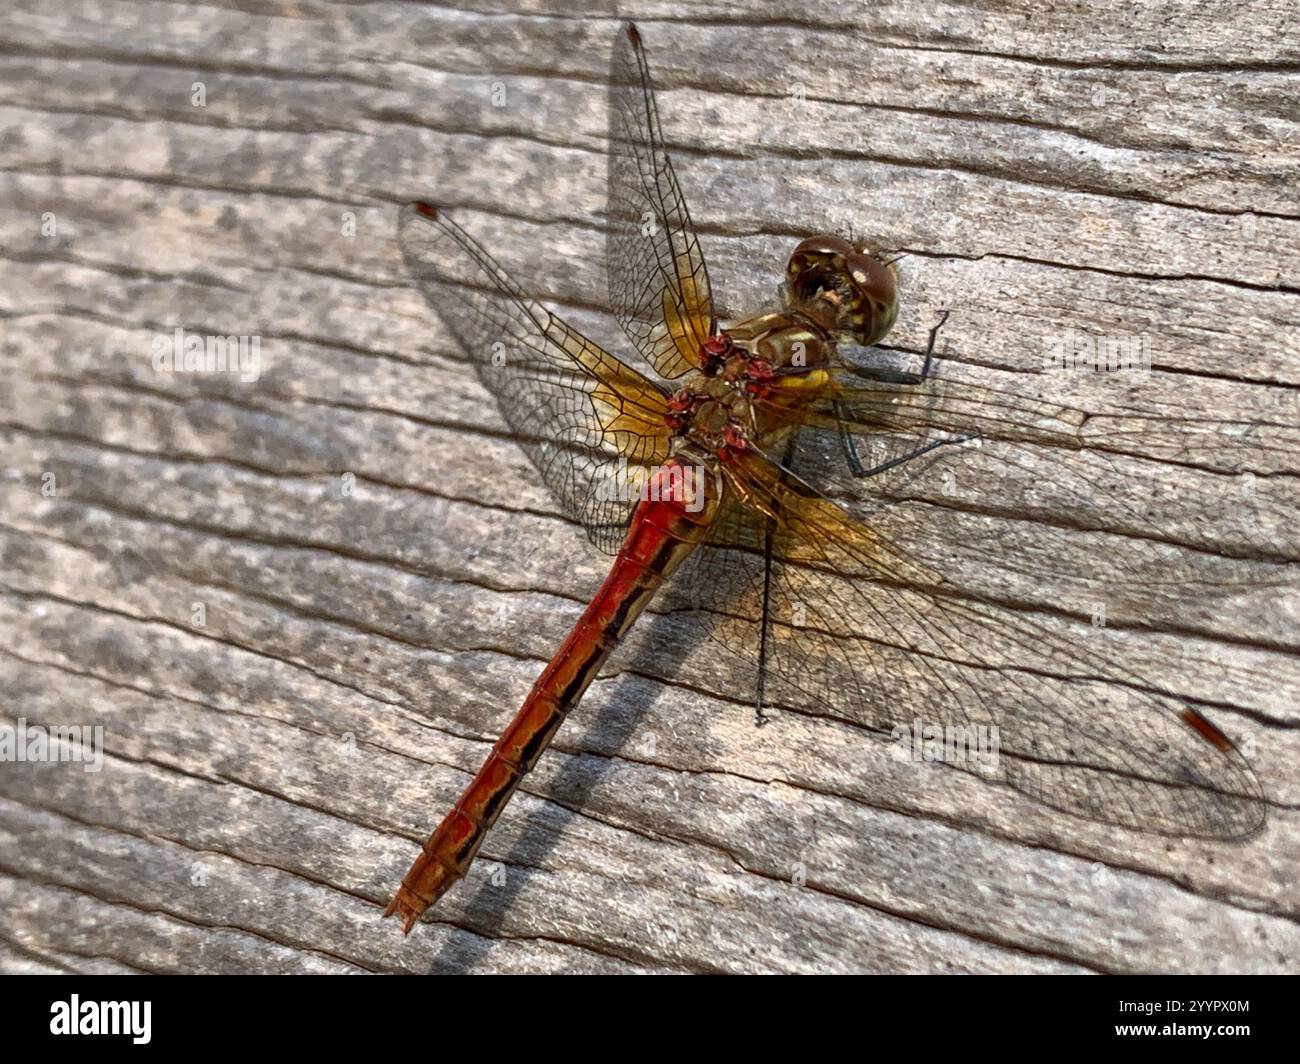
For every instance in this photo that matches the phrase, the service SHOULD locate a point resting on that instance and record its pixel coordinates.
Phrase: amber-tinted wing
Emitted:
(994, 450)
(583, 417)
(658, 284)
(974, 441)
(862, 625)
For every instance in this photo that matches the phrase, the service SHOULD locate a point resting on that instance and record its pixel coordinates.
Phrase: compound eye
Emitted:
(874, 302)
(851, 293)
(872, 278)
(817, 257)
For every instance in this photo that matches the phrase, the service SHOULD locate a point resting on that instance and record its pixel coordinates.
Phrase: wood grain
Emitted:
(269, 773)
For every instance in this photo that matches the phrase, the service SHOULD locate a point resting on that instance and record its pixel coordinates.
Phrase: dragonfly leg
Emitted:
(768, 536)
(769, 539)
(858, 470)
(849, 443)
(929, 347)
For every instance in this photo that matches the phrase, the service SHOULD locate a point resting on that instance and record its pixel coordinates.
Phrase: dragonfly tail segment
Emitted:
(666, 526)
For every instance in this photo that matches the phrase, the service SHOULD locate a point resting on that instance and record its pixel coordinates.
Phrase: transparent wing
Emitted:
(860, 627)
(658, 283)
(586, 420)
(970, 447)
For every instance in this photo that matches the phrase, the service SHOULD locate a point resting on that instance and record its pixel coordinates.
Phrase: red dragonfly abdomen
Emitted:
(665, 527)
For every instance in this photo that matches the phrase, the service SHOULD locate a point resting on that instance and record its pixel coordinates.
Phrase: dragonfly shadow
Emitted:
(607, 732)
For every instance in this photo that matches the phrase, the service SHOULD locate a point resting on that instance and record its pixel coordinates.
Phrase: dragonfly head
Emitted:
(851, 293)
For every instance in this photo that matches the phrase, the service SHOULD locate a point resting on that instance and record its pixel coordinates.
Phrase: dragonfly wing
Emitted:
(979, 448)
(859, 627)
(584, 418)
(658, 283)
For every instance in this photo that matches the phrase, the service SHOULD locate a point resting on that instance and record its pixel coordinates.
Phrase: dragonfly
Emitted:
(720, 472)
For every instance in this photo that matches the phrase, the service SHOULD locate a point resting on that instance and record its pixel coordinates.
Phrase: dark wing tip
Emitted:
(427, 209)
(1207, 731)
(633, 34)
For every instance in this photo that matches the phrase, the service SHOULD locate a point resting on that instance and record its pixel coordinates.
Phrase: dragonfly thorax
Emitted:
(753, 379)
(715, 408)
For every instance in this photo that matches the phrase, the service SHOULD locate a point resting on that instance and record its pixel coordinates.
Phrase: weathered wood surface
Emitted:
(1102, 168)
